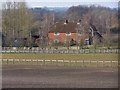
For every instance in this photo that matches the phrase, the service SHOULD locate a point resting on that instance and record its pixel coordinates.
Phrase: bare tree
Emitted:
(16, 20)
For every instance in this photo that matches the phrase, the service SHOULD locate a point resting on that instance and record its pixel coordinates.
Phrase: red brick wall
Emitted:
(62, 37)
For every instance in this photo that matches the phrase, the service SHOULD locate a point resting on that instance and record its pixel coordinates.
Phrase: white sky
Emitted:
(68, 3)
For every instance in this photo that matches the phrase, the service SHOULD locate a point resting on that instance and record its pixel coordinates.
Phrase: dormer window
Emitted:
(56, 33)
(68, 33)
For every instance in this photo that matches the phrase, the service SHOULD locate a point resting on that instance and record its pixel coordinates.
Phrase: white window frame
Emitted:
(68, 33)
(56, 33)
(87, 39)
(65, 23)
(56, 40)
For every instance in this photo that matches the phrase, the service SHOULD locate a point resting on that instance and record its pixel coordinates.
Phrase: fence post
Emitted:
(51, 62)
(32, 62)
(13, 61)
(24, 61)
(37, 61)
(90, 62)
(83, 63)
(70, 62)
(7, 61)
(97, 63)
(56, 62)
(43, 62)
(76, 62)
(63, 62)
(111, 63)
(103, 63)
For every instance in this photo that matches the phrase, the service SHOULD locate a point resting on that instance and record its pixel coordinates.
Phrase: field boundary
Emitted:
(83, 63)
(40, 50)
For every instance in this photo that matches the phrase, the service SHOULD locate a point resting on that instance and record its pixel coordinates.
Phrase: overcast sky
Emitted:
(68, 3)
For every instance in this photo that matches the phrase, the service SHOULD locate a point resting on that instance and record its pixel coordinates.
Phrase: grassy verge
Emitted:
(100, 56)
(56, 63)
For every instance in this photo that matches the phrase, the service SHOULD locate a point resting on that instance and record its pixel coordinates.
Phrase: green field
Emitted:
(100, 56)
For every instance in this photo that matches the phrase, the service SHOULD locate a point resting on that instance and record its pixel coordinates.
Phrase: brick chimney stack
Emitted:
(79, 21)
(66, 21)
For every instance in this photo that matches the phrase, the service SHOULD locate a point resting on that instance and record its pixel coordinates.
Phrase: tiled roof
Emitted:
(63, 28)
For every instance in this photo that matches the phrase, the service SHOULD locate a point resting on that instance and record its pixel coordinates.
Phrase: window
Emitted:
(56, 41)
(68, 33)
(87, 41)
(56, 33)
(64, 22)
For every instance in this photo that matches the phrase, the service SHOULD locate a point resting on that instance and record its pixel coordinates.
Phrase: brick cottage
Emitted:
(72, 31)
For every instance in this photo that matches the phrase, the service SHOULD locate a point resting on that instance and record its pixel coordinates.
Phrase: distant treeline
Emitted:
(21, 24)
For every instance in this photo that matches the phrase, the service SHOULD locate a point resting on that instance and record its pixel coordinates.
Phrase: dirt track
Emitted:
(31, 76)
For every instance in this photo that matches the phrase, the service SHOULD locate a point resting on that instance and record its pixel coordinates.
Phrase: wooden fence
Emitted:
(75, 63)
(40, 50)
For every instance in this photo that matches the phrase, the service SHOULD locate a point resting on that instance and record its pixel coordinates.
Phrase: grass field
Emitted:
(110, 56)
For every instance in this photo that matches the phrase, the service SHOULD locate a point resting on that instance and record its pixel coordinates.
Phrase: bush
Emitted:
(57, 44)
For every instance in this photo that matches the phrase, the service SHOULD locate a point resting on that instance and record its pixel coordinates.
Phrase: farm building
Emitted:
(67, 32)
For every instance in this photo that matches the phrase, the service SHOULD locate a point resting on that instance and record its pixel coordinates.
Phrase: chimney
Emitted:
(79, 21)
(66, 22)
